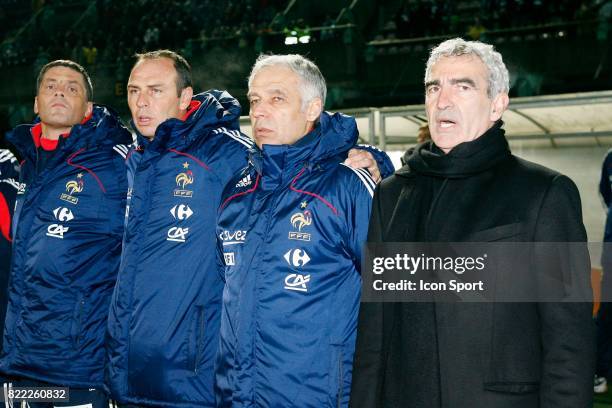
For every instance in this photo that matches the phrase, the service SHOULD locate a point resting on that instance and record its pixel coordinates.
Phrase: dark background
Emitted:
(372, 53)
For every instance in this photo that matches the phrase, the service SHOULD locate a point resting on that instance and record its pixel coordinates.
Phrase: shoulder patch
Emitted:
(365, 178)
(122, 150)
(7, 155)
(236, 135)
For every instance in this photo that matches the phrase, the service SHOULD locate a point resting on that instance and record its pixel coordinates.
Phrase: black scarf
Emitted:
(416, 351)
(464, 159)
(431, 168)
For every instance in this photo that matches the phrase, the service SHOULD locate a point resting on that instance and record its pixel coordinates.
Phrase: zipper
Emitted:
(199, 339)
(340, 380)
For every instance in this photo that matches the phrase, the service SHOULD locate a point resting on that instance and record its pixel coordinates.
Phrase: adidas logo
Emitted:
(246, 181)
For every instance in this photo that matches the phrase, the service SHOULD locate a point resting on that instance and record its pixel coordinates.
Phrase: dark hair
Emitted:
(73, 66)
(182, 67)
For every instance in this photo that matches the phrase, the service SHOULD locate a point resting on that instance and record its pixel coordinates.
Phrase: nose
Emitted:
(444, 98)
(59, 90)
(258, 110)
(142, 100)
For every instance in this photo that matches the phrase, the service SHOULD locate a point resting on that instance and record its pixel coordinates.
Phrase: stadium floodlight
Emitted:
(305, 39)
(291, 40)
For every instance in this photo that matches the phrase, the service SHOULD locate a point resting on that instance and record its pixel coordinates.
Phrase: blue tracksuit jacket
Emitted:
(290, 232)
(67, 231)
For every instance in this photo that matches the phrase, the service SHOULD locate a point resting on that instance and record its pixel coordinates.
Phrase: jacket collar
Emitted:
(208, 110)
(332, 136)
(102, 127)
(463, 160)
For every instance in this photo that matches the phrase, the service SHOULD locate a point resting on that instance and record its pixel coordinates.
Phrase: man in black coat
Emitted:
(465, 185)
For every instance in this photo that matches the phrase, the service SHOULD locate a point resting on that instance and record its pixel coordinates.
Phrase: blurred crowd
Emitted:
(426, 18)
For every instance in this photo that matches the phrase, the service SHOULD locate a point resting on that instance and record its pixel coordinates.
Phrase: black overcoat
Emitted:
(493, 355)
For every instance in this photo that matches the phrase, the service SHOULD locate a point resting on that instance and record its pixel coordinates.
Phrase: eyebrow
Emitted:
(454, 81)
(468, 81)
(430, 83)
(146, 86)
(71, 81)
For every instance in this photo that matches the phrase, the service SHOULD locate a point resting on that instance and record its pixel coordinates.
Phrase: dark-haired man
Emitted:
(67, 238)
(164, 317)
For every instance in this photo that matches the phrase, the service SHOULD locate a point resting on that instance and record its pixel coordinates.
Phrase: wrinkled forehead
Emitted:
(273, 78)
(468, 65)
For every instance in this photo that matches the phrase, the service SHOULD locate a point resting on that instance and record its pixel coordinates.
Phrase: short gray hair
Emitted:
(498, 73)
(311, 80)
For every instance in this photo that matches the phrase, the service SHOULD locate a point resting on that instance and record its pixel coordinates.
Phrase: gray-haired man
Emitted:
(465, 185)
(290, 230)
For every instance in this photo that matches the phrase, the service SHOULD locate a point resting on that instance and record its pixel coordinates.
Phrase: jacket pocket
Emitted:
(197, 338)
(500, 233)
(77, 321)
(336, 376)
(513, 387)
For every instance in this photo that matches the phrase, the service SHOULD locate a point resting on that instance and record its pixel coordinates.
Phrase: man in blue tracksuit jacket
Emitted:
(290, 230)
(164, 316)
(9, 184)
(67, 235)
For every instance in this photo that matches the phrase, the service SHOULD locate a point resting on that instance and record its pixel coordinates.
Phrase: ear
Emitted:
(185, 99)
(499, 106)
(314, 109)
(36, 105)
(89, 109)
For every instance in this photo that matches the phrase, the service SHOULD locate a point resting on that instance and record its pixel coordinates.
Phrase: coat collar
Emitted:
(210, 109)
(463, 160)
(332, 136)
(103, 127)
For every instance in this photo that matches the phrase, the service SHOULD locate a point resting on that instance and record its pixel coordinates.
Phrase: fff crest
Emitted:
(182, 180)
(73, 187)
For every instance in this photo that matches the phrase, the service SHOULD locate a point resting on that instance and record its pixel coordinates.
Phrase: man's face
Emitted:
(152, 95)
(458, 107)
(61, 101)
(276, 111)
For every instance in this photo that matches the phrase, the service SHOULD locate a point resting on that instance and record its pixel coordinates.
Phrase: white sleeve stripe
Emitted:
(5, 155)
(236, 135)
(240, 140)
(370, 146)
(368, 177)
(240, 135)
(121, 152)
(122, 147)
(363, 180)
